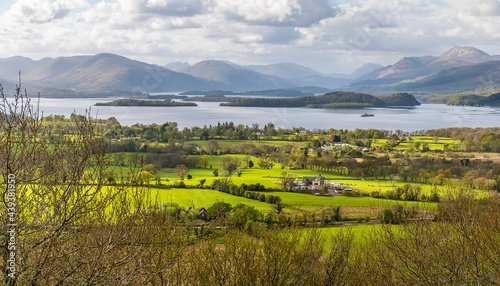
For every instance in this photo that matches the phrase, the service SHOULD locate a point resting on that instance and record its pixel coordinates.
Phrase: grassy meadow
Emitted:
(270, 178)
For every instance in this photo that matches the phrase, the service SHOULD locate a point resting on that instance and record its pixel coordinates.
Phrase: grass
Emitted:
(266, 177)
(205, 197)
(312, 202)
(362, 233)
(433, 144)
(270, 178)
(198, 198)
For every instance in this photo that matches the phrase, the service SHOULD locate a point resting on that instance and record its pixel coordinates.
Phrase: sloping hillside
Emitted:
(111, 72)
(233, 76)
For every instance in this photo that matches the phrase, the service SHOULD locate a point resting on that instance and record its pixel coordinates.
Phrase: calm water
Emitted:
(426, 116)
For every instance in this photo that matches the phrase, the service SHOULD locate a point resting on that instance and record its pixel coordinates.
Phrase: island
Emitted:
(339, 99)
(137, 102)
(367, 115)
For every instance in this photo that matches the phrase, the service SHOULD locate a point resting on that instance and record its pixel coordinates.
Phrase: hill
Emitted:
(10, 67)
(109, 72)
(175, 66)
(284, 70)
(431, 74)
(233, 76)
(458, 70)
(301, 75)
(473, 78)
(7, 85)
(410, 68)
(365, 69)
(105, 72)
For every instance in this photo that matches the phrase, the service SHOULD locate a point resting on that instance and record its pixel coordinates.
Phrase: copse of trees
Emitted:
(472, 139)
(252, 191)
(111, 128)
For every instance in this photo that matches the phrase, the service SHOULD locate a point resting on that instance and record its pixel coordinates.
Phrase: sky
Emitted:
(331, 36)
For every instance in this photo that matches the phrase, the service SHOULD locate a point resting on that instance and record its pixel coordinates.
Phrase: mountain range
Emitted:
(459, 70)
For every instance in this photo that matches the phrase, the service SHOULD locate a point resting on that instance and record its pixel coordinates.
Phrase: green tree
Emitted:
(265, 164)
(143, 178)
(469, 177)
(443, 174)
(242, 214)
(202, 182)
(181, 171)
(204, 160)
(230, 164)
(278, 207)
(212, 146)
(219, 210)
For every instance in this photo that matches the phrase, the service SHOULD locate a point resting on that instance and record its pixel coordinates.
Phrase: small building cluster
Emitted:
(318, 183)
(338, 146)
(313, 182)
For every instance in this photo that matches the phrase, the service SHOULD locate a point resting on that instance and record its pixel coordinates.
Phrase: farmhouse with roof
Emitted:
(318, 181)
(203, 214)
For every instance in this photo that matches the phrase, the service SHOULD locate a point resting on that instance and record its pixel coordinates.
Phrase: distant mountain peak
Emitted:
(365, 69)
(284, 70)
(233, 76)
(463, 52)
(213, 64)
(177, 65)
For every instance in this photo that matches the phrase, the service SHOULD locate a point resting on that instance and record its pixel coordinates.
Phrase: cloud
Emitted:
(176, 7)
(486, 8)
(299, 13)
(410, 26)
(42, 11)
(179, 8)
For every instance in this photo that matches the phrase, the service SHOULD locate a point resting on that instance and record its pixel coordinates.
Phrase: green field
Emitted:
(270, 178)
(205, 197)
(360, 231)
(433, 145)
(198, 198)
(266, 177)
(311, 202)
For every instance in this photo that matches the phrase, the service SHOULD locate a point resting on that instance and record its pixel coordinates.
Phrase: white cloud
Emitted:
(486, 8)
(42, 11)
(163, 7)
(276, 12)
